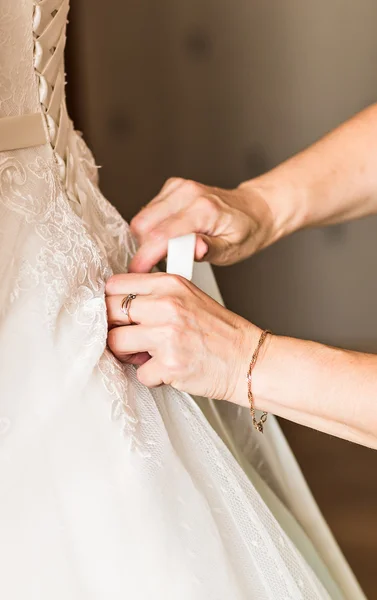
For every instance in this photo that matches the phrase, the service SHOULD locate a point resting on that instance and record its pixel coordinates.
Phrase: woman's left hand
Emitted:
(180, 336)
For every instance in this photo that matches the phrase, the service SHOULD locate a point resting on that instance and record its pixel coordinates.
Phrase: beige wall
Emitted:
(220, 90)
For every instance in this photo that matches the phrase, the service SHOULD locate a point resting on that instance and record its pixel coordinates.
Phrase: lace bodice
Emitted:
(32, 80)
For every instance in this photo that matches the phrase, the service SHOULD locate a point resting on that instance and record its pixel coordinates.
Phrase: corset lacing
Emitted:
(49, 28)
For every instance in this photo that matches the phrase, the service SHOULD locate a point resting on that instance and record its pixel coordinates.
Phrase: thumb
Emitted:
(212, 249)
(155, 245)
(201, 249)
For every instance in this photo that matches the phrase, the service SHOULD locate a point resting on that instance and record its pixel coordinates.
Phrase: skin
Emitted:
(184, 338)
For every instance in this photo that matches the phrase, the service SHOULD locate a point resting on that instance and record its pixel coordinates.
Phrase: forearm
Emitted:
(332, 181)
(325, 388)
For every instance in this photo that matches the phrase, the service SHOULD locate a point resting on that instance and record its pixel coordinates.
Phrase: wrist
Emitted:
(265, 374)
(263, 384)
(249, 339)
(285, 198)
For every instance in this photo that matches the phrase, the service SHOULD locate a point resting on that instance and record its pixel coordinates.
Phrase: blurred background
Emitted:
(221, 91)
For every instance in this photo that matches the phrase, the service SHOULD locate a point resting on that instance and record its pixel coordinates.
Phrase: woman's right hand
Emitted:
(330, 182)
(230, 224)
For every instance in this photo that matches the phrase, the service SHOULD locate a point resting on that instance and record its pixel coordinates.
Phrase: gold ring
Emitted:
(126, 305)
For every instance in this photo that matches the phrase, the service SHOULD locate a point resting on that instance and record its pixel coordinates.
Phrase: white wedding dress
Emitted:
(109, 490)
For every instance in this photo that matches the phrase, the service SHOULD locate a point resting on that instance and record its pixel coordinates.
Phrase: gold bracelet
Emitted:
(257, 424)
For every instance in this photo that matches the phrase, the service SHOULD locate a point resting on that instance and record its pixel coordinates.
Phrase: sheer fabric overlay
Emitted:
(109, 489)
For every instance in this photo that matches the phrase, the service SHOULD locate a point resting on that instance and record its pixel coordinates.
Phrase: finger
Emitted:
(149, 255)
(150, 373)
(169, 186)
(145, 310)
(136, 359)
(197, 218)
(131, 340)
(215, 250)
(139, 310)
(162, 206)
(144, 284)
(170, 201)
(201, 248)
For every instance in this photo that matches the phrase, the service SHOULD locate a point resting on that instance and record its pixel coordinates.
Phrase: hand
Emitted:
(231, 224)
(181, 336)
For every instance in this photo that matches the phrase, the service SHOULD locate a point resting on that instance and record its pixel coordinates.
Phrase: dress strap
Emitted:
(180, 261)
(181, 253)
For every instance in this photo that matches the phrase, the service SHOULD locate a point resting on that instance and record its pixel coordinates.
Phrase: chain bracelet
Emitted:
(257, 424)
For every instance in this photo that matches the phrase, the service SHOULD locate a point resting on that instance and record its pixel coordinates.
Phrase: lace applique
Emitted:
(115, 237)
(67, 259)
(69, 269)
(114, 377)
